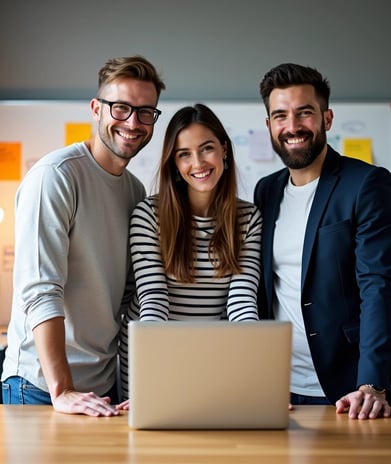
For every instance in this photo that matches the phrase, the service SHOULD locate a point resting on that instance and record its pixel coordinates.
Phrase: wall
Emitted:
(37, 127)
(206, 50)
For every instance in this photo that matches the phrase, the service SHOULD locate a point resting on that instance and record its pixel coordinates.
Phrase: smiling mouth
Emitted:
(202, 175)
(295, 140)
(126, 136)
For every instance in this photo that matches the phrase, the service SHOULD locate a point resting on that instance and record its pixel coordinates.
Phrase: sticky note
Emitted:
(358, 148)
(10, 160)
(77, 132)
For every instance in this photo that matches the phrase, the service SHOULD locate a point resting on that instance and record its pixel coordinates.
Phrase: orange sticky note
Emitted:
(77, 132)
(358, 148)
(10, 160)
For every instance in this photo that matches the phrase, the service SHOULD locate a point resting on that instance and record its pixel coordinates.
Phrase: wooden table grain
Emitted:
(316, 435)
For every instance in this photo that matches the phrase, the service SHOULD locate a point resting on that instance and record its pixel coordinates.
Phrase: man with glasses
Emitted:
(71, 272)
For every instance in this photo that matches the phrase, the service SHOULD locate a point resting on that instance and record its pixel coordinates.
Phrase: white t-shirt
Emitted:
(287, 260)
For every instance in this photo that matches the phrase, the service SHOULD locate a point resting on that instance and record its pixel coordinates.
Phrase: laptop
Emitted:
(209, 374)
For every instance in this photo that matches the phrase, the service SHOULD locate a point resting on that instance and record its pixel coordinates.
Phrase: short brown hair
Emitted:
(136, 66)
(290, 74)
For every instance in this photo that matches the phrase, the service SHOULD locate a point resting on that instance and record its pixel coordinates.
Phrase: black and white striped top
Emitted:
(161, 297)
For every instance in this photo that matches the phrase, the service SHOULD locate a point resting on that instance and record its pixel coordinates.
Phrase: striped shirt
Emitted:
(162, 297)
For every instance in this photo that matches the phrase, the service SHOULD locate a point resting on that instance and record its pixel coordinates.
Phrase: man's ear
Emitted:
(328, 119)
(267, 120)
(95, 106)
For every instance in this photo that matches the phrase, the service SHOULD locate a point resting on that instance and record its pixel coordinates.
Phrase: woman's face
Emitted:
(199, 158)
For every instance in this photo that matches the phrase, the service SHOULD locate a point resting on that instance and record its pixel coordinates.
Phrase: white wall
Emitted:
(40, 128)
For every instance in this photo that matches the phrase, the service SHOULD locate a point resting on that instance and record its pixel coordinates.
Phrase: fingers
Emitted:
(84, 403)
(124, 405)
(341, 405)
(374, 407)
(93, 405)
(355, 406)
(363, 405)
(387, 410)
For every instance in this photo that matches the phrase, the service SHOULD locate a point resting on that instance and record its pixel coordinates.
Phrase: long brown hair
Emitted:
(174, 210)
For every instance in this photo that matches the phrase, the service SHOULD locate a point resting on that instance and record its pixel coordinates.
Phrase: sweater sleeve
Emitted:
(44, 206)
(150, 277)
(242, 296)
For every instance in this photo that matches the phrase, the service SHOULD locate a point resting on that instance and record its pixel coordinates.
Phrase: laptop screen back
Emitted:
(209, 374)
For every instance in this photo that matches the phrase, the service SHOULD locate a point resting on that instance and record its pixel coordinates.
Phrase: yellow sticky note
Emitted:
(10, 160)
(358, 148)
(77, 132)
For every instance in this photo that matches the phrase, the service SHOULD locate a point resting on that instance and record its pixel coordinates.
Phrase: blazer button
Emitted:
(307, 304)
(314, 334)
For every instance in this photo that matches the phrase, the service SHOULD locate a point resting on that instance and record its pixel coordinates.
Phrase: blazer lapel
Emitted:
(327, 181)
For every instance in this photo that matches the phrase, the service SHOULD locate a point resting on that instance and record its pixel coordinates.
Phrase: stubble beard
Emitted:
(122, 154)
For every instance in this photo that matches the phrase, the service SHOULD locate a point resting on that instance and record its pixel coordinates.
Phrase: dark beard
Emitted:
(300, 158)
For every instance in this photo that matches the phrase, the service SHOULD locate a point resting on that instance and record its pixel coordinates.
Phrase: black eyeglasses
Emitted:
(122, 111)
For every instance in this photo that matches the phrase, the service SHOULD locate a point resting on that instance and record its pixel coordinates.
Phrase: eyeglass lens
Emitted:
(145, 115)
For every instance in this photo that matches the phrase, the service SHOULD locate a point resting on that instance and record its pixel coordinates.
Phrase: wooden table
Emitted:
(316, 435)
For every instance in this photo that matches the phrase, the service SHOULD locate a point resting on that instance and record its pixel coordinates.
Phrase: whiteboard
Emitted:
(39, 126)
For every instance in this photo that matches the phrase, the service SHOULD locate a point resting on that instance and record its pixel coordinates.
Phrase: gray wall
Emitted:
(205, 49)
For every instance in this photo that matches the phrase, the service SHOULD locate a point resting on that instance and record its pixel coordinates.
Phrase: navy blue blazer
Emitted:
(346, 271)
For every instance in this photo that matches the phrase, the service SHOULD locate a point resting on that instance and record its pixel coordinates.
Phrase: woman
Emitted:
(195, 246)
